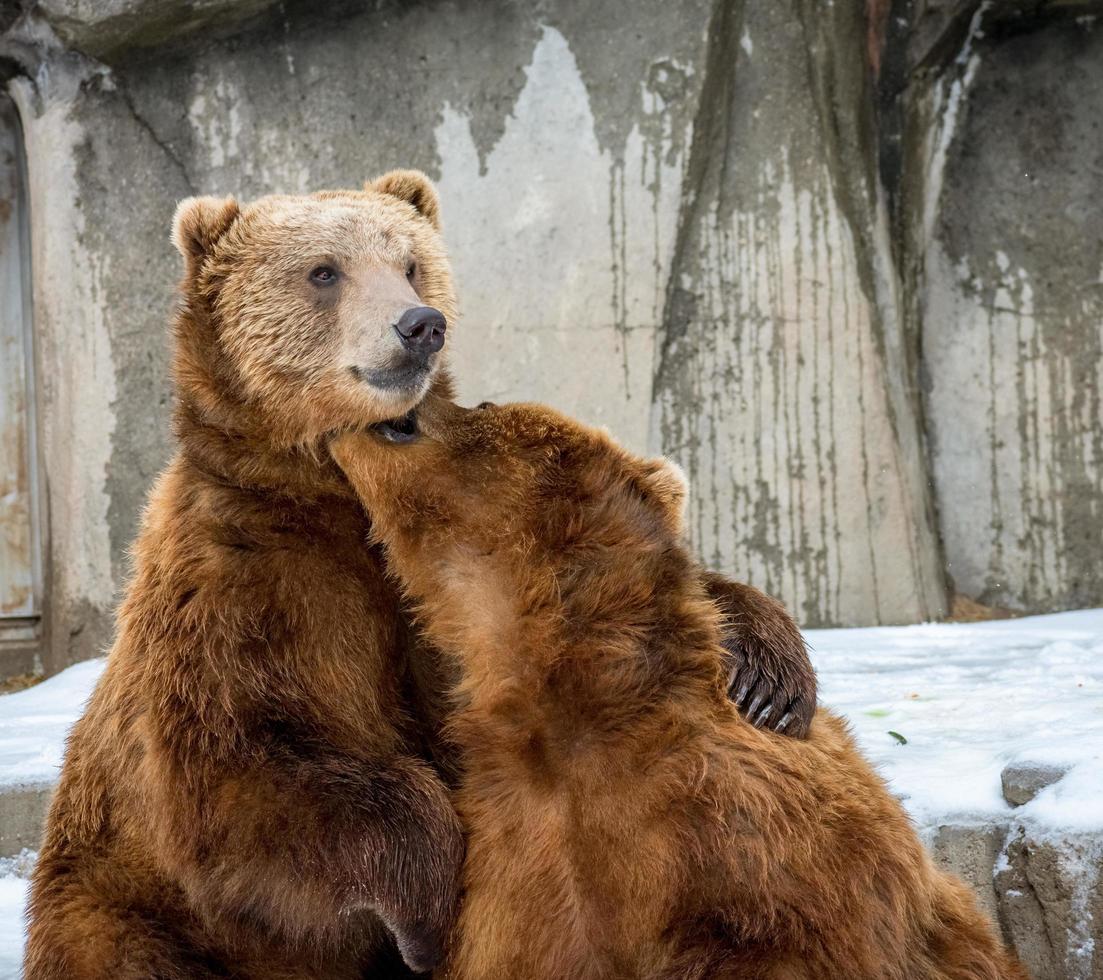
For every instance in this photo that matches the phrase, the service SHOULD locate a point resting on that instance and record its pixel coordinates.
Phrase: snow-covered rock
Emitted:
(1024, 780)
(978, 702)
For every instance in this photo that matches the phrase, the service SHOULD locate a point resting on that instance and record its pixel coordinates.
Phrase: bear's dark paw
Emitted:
(770, 677)
(773, 693)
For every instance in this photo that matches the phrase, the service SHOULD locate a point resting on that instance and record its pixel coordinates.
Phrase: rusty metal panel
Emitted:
(19, 532)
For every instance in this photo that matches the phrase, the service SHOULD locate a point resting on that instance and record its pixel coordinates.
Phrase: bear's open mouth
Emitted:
(399, 430)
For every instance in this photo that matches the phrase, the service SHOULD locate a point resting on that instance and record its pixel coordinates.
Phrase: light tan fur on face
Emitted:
(305, 357)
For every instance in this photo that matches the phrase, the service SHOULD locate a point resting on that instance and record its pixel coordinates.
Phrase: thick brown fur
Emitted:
(624, 821)
(249, 793)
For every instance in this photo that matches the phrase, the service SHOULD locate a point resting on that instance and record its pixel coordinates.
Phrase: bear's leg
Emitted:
(76, 935)
(302, 839)
(962, 944)
(770, 677)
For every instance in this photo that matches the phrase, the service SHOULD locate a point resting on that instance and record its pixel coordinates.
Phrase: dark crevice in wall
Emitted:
(838, 77)
(19, 54)
(919, 46)
(849, 57)
(890, 109)
(705, 175)
(169, 151)
(11, 11)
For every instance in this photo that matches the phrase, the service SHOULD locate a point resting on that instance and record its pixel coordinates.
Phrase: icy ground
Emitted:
(13, 899)
(967, 698)
(33, 724)
(971, 698)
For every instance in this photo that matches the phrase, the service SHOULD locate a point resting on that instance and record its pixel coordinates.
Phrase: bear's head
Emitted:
(308, 314)
(518, 477)
(517, 532)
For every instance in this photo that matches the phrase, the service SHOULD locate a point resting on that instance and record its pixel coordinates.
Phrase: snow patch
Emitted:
(970, 698)
(35, 722)
(13, 900)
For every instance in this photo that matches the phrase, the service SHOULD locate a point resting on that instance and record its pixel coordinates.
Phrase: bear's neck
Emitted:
(227, 438)
(241, 454)
(599, 667)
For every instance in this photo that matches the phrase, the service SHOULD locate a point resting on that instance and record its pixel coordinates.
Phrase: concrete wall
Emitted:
(780, 380)
(1012, 329)
(782, 242)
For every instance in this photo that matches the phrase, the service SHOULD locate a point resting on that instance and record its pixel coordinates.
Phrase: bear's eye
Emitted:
(324, 275)
(411, 269)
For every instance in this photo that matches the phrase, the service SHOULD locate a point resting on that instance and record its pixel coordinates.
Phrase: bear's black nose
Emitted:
(421, 330)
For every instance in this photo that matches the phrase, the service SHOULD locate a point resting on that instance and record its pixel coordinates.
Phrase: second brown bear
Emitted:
(624, 821)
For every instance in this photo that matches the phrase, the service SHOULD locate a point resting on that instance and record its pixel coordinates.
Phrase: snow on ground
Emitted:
(971, 698)
(33, 724)
(13, 899)
(968, 699)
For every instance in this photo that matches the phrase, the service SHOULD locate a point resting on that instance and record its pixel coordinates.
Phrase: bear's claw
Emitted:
(771, 696)
(770, 678)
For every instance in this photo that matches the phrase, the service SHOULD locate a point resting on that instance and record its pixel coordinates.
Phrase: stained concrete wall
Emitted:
(764, 238)
(781, 382)
(1012, 325)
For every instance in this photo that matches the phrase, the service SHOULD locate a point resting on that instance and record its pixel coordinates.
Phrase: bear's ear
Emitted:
(200, 222)
(668, 484)
(413, 187)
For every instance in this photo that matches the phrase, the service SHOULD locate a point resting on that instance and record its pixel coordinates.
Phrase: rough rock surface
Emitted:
(788, 244)
(23, 816)
(101, 28)
(1051, 903)
(1022, 781)
(1045, 891)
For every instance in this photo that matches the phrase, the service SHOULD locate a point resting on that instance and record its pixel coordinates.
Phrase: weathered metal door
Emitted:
(19, 530)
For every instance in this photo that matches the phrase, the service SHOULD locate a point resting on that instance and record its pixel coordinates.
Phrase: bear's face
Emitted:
(517, 472)
(506, 523)
(324, 311)
(526, 452)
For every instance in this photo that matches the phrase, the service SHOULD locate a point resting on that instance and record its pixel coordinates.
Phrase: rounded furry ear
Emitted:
(413, 187)
(668, 484)
(200, 222)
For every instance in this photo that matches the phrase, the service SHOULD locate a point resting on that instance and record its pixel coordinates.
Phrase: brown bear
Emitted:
(258, 787)
(623, 820)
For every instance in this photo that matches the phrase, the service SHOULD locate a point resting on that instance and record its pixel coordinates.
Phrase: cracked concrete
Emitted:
(777, 241)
